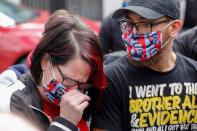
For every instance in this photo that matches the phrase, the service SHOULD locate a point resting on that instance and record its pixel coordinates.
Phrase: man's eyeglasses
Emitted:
(68, 82)
(142, 27)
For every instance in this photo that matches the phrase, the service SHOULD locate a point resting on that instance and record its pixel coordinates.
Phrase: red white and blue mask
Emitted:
(54, 91)
(142, 47)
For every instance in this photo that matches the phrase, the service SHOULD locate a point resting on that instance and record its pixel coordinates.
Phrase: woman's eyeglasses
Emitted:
(68, 82)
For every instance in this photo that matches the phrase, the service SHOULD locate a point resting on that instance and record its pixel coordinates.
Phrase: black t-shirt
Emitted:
(140, 99)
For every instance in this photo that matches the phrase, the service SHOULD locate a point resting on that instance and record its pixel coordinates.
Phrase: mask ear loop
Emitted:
(163, 45)
(43, 74)
(52, 68)
(43, 81)
(166, 26)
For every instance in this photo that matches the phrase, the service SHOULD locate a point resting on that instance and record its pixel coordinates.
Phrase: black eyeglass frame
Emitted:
(81, 85)
(125, 19)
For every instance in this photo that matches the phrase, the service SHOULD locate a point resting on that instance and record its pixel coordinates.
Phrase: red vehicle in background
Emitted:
(20, 31)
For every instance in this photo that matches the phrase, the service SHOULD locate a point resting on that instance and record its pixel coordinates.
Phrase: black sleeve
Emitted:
(108, 116)
(186, 43)
(105, 36)
(61, 124)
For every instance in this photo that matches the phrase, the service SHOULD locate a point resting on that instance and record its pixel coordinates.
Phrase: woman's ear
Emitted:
(176, 27)
(45, 62)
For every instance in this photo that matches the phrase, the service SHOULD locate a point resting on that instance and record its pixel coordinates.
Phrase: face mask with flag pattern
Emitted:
(142, 47)
(54, 91)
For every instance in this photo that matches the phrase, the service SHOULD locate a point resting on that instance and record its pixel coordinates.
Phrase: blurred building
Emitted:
(94, 9)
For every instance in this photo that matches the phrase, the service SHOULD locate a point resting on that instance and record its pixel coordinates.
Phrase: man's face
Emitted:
(147, 26)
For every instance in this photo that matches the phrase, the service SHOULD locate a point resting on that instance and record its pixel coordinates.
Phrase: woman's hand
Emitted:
(72, 105)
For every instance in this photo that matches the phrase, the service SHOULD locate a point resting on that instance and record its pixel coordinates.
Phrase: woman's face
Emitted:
(74, 71)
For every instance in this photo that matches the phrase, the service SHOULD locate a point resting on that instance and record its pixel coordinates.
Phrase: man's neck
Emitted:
(167, 61)
(164, 61)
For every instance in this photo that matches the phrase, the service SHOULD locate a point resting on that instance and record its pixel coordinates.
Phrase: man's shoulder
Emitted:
(112, 57)
(118, 69)
(116, 62)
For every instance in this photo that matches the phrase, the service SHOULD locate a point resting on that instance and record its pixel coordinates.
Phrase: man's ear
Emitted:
(176, 27)
(45, 62)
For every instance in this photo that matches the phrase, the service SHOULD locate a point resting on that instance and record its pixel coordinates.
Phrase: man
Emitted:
(110, 36)
(152, 88)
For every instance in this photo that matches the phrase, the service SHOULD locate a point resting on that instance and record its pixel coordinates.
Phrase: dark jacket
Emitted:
(186, 43)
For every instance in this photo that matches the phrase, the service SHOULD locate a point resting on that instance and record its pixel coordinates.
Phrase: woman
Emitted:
(66, 76)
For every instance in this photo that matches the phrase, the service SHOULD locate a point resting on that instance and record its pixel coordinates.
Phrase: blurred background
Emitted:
(22, 23)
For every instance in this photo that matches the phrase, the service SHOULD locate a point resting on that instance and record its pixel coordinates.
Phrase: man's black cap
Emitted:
(150, 9)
